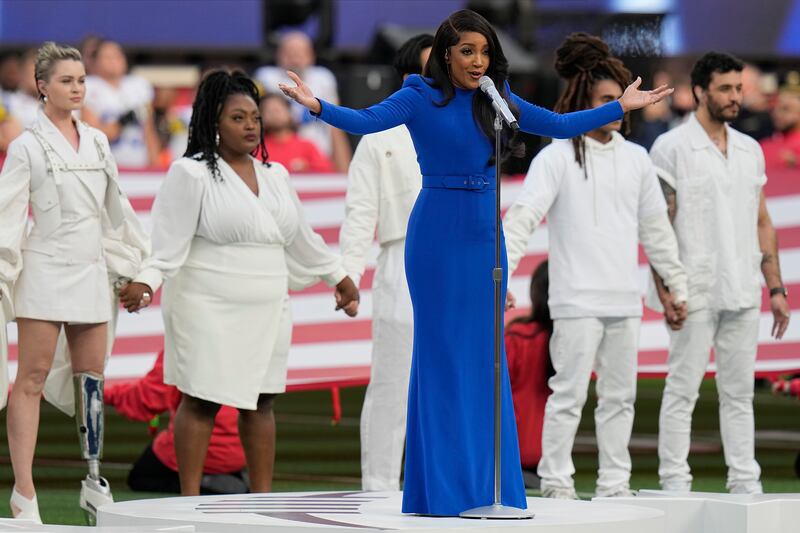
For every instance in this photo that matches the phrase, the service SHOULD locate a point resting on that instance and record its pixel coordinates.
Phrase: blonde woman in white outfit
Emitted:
(56, 276)
(228, 230)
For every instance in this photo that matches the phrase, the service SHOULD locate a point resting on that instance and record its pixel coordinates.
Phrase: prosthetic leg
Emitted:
(95, 490)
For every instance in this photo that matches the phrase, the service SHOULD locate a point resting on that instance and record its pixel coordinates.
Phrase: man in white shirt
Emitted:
(601, 197)
(712, 176)
(384, 181)
(296, 53)
(120, 105)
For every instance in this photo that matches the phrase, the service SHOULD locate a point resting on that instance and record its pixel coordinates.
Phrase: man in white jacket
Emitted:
(601, 196)
(384, 181)
(712, 176)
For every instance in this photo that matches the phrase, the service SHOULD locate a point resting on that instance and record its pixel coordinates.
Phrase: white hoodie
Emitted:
(595, 225)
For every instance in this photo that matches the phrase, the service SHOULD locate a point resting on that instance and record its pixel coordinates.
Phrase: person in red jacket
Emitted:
(529, 367)
(156, 470)
(283, 144)
(789, 387)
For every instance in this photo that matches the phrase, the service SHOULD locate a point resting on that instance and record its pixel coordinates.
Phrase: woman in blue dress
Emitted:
(450, 256)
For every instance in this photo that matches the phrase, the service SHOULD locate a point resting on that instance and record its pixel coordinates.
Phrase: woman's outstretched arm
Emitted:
(540, 121)
(395, 110)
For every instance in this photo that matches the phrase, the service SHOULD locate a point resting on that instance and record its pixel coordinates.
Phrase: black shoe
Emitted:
(532, 481)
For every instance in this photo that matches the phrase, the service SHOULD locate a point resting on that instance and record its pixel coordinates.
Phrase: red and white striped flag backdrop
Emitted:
(330, 349)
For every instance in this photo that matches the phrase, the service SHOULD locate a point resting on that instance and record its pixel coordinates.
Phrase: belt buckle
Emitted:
(478, 182)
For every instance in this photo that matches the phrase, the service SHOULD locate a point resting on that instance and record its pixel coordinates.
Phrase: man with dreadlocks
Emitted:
(601, 196)
(230, 238)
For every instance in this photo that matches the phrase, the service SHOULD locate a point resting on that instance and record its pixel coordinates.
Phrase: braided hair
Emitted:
(215, 88)
(583, 60)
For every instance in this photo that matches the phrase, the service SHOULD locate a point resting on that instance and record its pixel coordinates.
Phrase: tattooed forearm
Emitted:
(767, 258)
(670, 195)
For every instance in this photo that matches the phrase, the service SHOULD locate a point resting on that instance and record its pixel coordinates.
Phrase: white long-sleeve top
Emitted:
(716, 223)
(595, 225)
(384, 181)
(191, 203)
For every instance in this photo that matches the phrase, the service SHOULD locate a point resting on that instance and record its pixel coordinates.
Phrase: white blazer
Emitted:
(384, 181)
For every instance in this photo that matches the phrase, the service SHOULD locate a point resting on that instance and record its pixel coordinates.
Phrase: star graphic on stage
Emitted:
(304, 508)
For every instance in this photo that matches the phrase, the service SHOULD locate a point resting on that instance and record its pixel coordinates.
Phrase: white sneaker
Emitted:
(94, 494)
(621, 492)
(560, 493)
(24, 509)
(676, 486)
(748, 487)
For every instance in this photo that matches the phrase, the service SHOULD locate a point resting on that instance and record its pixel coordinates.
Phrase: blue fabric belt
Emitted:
(472, 182)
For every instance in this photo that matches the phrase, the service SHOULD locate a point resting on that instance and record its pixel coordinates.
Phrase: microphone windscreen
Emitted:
(485, 82)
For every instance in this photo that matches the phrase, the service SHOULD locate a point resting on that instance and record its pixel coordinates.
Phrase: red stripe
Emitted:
(782, 182)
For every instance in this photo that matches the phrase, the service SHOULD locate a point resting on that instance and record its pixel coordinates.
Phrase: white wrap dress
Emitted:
(227, 255)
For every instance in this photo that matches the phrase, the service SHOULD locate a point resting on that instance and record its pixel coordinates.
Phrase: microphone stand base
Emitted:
(497, 512)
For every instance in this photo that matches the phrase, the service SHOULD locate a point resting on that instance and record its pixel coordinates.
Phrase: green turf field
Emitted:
(313, 454)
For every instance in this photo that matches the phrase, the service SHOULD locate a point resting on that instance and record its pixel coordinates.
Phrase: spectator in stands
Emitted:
(10, 72)
(782, 150)
(171, 123)
(9, 129)
(712, 177)
(283, 143)
(656, 119)
(23, 103)
(88, 50)
(529, 367)
(296, 53)
(754, 117)
(156, 470)
(120, 105)
(601, 198)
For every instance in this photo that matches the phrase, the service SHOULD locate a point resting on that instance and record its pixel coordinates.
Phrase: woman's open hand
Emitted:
(300, 93)
(633, 98)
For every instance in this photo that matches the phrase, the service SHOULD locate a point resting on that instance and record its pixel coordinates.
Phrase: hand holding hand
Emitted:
(300, 93)
(135, 296)
(780, 315)
(633, 98)
(347, 296)
(675, 313)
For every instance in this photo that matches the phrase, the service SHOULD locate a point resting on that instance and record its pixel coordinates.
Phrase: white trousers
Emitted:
(383, 417)
(734, 336)
(608, 346)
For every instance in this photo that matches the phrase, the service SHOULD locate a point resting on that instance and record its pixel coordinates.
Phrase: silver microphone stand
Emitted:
(497, 510)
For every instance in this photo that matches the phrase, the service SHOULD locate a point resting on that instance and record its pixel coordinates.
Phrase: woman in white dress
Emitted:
(56, 276)
(230, 238)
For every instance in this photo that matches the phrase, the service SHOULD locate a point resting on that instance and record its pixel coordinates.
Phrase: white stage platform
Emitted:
(707, 512)
(24, 526)
(366, 511)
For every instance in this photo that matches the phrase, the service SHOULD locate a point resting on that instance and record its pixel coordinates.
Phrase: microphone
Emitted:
(487, 86)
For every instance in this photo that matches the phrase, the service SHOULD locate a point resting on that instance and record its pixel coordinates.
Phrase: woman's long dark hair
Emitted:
(583, 60)
(215, 88)
(437, 69)
(540, 287)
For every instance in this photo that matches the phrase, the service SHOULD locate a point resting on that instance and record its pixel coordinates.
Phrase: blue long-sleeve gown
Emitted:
(449, 259)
